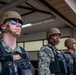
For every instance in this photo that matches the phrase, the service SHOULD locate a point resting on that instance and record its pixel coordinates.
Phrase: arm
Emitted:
(44, 62)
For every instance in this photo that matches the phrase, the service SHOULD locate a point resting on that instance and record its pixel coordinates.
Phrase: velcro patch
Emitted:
(16, 57)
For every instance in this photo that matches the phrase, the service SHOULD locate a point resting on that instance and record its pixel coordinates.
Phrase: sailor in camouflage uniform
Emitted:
(47, 54)
(14, 60)
(70, 55)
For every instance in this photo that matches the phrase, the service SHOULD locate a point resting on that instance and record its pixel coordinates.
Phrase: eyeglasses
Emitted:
(14, 22)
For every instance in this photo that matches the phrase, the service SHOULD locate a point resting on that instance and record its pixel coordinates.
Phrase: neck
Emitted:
(71, 51)
(10, 40)
(52, 43)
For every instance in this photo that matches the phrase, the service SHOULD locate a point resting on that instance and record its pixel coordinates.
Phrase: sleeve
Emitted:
(44, 62)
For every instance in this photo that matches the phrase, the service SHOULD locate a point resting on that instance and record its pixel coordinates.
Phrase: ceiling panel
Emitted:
(61, 8)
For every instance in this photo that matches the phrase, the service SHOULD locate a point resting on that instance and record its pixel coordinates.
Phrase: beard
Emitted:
(8, 29)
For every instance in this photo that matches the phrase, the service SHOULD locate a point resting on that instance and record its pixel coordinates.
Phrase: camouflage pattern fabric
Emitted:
(45, 56)
(8, 49)
(70, 58)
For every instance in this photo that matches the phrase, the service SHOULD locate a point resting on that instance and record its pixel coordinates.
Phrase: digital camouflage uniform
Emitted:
(45, 57)
(51, 62)
(70, 55)
(70, 60)
(17, 49)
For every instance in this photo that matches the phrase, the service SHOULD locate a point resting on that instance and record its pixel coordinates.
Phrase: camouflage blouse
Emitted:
(17, 49)
(45, 56)
(69, 58)
(8, 49)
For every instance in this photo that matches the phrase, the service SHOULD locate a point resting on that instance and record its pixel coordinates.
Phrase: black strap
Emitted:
(70, 66)
(24, 54)
(54, 50)
(72, 55)
(2, 49)
(4, 57)
(59, 57)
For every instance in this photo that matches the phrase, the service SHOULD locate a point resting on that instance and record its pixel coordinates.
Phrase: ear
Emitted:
(2, 26)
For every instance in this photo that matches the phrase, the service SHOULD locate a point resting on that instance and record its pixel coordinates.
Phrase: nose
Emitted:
(58, 37)
(18, 25)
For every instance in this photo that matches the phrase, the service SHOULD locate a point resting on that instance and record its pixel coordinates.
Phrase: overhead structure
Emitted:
(11, 4)
(65, 9)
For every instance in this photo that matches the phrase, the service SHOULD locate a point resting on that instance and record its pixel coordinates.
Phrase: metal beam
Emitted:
(10, 5)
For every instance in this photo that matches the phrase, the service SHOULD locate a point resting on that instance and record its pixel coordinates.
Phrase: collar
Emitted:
(8, 49)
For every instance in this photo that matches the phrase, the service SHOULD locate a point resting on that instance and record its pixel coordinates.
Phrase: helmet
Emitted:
(52, 31)
(9, 15)
(69, 41)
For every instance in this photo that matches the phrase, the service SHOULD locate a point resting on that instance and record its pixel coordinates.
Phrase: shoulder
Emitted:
(66, 55)
(44, 47)
(45, 50)
(24, 51)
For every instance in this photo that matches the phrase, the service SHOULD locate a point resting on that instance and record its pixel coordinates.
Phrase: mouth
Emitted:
(17, 29)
